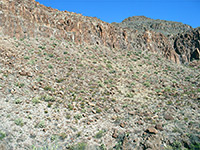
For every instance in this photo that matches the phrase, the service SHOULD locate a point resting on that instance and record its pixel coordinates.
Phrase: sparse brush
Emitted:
(99, 134)
(18, 101)
(2, 135)
(36, 100)
(41, 124)
(19, 122)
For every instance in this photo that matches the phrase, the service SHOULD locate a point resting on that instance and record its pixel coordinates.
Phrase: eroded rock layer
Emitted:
(27, 18)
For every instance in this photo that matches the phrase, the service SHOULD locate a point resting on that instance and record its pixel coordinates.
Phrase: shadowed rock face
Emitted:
(27, 18)
(187, 45)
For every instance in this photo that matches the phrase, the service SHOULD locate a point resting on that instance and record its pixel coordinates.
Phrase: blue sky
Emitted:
(185, 11)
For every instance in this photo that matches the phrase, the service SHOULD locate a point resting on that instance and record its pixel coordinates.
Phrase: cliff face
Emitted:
(27, 18)
(175, 36)
(187, 45)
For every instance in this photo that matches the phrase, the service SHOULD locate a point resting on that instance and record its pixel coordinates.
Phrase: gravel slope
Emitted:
(57, 95)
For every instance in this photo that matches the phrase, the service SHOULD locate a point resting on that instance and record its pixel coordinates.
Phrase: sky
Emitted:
(185, 11)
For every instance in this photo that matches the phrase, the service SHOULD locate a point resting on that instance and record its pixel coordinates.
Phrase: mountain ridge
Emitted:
(156, 25)
(30, 19)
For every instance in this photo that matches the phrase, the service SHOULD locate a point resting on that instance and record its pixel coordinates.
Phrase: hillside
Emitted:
(52, 91)
(143, 23)
(73, 82)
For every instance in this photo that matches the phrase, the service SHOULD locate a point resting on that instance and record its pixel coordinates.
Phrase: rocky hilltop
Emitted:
(70, 82)
(27, 18)
(143, 23)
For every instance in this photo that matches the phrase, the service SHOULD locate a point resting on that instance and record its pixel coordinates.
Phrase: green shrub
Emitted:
(147, 84)
(36, 100)
(19, 122)
(79, 146)
(2, 135)
(78, 116)
(18, 101)
(41, 124)
(48, 98)
(26, 57)
(50, 66)
(99, 134)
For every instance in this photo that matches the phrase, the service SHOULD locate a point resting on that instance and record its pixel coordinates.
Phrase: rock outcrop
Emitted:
(27, 18)
(143, 23)
(187, 45)
(173, 35)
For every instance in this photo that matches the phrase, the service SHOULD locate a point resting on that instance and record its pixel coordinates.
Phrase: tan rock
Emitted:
(116, 110)
(168, 117)
(122, 125)
(114, 135)
(91, 104)
(159, 126)
(22, 73)
(131, 113)
(1, 76)
(152, 130)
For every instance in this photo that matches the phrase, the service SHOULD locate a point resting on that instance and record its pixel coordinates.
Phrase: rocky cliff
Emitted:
(27, 18)
(187, 45)
(178, 36)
